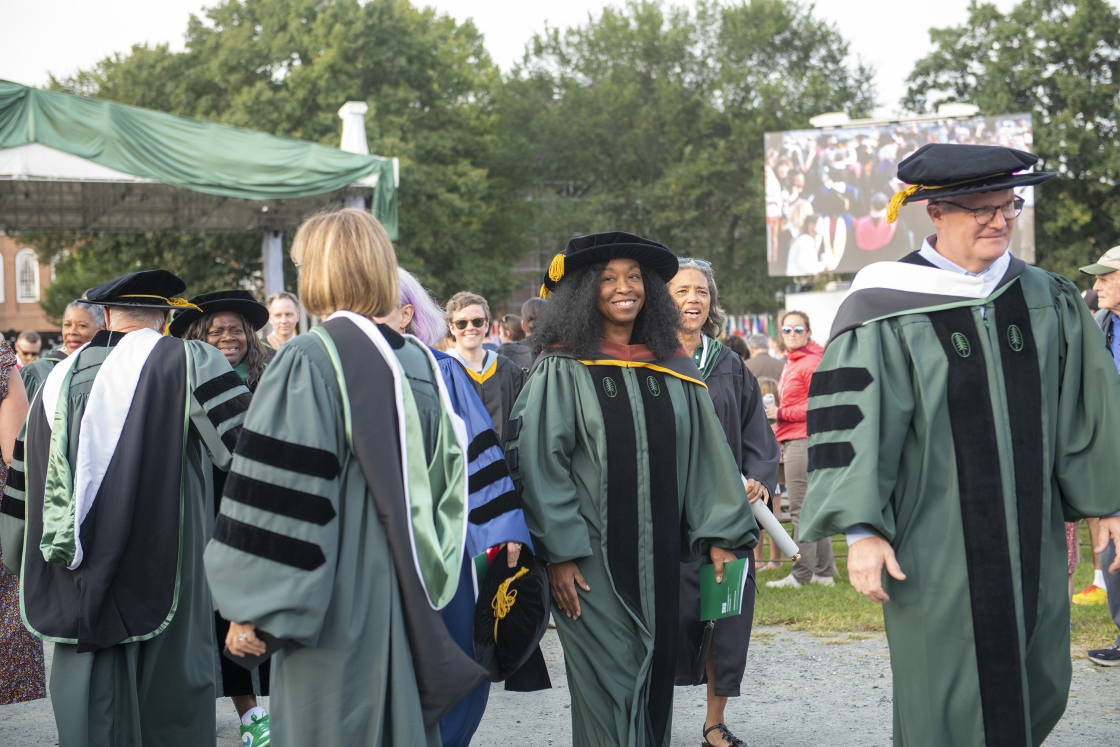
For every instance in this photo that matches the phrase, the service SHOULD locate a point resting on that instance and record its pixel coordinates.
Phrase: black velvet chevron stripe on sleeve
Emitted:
(488, 475)
(229, 409)
(306, 460)
(481, 443)
(17, 452)
(490, 510)
(229, 438)
(831, 455)
(15, 480)
(279, 500)
(840, 380)
(217, 386)
(513, 458)
(513, 428)
(834, 418)
(13, 507)
(279, 548)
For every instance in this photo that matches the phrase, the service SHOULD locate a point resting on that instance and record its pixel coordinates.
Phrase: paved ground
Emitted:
(847, 681)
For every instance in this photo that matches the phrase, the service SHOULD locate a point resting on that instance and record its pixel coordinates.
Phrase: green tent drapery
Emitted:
(199, 156)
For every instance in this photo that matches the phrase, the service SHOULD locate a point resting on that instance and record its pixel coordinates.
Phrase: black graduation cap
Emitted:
(602, 247)
(151, 289)
(238, 301)
(511, 614)
(935, 171)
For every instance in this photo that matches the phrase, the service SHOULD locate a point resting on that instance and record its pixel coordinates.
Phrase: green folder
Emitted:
(479, 564)
(724, 599)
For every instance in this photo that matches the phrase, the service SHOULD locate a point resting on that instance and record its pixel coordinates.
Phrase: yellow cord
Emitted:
(556, 269)
(897, 200)
(504, 599)
(180, 303)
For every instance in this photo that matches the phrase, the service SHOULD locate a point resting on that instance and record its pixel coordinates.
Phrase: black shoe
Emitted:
(1106, 657)
(734, 740)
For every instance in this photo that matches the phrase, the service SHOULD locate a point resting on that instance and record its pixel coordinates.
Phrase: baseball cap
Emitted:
(1109, 262)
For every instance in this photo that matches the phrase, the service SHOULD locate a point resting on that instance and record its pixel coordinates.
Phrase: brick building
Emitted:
(22, 281)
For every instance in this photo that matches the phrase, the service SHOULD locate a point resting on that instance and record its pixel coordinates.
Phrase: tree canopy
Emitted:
(650, 119)
(647, 118)
(1060, 61)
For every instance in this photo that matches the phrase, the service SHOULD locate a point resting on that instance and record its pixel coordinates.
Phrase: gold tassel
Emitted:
(556, 269)
(504, 599)
(544, 291)
(897, 200)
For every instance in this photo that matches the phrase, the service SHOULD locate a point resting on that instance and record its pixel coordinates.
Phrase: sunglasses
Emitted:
(701, 263)
(478, 322)
(798, 330)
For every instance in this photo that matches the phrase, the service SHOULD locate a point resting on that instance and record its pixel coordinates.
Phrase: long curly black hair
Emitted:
(572, 317)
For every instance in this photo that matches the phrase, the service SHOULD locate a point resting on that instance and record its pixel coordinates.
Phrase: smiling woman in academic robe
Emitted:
(624, 471)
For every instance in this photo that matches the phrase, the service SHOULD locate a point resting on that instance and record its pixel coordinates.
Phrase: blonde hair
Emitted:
(347, 263)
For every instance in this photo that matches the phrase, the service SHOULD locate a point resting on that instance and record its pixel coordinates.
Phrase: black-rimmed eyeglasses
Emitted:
(983, 215)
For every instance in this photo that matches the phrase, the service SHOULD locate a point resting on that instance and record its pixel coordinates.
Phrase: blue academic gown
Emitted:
(488, 480)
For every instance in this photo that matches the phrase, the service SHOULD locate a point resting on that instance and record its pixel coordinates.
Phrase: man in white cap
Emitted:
(1106, 271)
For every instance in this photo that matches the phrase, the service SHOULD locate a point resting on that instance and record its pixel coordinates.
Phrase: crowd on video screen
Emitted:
(827, 192)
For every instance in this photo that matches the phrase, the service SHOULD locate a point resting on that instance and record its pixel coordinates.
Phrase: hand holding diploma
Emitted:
(770, 523)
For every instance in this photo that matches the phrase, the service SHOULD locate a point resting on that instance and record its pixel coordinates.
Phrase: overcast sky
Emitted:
(61, 36)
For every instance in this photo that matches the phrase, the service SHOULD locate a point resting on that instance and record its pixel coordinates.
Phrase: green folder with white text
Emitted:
(724, 599)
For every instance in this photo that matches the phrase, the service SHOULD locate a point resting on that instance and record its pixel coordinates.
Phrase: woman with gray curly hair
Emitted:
(738, 404)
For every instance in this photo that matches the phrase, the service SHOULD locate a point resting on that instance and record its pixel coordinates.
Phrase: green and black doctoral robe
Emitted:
(338, 535)
(36, 372)
(964, 427)
(111, 482)
(623, 467)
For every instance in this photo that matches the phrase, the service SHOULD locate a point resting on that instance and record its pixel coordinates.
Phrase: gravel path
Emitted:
(801, 691)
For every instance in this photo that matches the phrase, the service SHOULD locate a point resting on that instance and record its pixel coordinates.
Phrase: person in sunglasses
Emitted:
(624, 472)
(816, 565)
(964, 405)
(738, 404)
(496, 378)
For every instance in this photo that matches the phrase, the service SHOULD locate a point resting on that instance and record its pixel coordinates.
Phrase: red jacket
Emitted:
(793, 391)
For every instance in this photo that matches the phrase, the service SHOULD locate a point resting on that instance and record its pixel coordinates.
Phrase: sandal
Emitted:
(723, 731)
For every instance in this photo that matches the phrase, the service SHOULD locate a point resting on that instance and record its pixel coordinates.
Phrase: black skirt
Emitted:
(730, 638)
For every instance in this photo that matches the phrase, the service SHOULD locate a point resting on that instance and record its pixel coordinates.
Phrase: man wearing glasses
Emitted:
(964, 405)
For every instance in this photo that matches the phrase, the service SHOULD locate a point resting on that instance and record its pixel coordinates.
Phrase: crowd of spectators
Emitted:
(827, 192)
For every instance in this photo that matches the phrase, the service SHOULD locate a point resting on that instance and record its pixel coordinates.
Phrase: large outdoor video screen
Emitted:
(827, 192)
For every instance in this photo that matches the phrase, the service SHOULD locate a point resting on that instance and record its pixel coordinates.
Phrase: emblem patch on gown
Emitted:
(960, 344)
(1015, 338)
(609, 386)
(654, 387)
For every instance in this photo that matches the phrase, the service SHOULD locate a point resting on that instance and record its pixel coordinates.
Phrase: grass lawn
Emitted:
(841, 611)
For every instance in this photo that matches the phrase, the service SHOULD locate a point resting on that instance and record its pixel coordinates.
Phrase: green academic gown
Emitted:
(132, 623)
(307, 546)
(624, 468)
(964, 430)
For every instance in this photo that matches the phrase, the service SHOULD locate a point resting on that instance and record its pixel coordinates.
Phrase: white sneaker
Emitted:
(823, 580)
(787, 582)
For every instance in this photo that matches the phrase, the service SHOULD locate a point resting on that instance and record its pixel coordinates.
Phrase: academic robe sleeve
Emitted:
(861, 402)
(761, 452)
(1088, 428)
(544, 442)
(13, 507)
(219, 401)
(716, 510)
(272, 558)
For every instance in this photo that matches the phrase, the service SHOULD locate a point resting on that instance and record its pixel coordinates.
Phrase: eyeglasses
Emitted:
(701, 263)
(478, 322)
(798, 330)
(983, 215)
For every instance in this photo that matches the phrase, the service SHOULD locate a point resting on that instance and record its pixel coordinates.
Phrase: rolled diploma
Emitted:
(774, 528)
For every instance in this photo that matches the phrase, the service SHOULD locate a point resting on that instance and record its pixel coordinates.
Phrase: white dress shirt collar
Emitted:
(990, 276)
